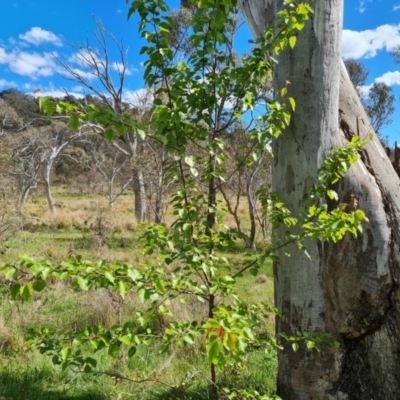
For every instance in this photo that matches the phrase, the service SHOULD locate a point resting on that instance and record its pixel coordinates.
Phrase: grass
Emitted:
(40, 381)
(85, 226)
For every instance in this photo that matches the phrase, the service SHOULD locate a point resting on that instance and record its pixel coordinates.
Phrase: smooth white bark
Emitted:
(349, 289)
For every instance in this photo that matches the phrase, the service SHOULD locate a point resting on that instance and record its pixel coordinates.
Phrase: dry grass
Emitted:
(6, 338)
(88, 227)
(78, 214)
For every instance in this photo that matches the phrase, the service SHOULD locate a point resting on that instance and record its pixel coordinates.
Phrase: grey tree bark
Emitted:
(46, 174)
(349, 289)
(51, 147)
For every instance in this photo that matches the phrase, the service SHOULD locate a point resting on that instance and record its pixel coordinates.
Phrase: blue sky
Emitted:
(31, 30)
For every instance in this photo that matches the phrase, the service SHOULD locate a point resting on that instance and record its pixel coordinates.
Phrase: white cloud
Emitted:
(119, 11)
(53, 91)
(117, 66)
(79, 89)
(83, 73)
(36, 65)
(362, 5)
(37, 36)
(364, 90)
(4, 57)
(395, 8)
(33, 64)
(84, 56)
(6, 84)
(141, 98)
(30, 64)
(57, 93)
(367, 43)
(390, 78)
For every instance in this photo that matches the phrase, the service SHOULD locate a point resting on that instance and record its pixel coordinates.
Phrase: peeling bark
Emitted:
(349, 289)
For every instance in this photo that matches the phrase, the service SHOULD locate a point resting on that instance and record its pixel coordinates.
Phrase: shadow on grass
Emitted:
(29, 387)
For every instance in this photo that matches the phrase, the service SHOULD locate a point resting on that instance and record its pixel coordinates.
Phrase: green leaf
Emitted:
(131, 351)
(194, 171)
(83, 283)
(14, 289)
(65, 353)
(248, 98)
(189, 161)
(188, 339)
(310, 344)
(95, 343)
(110, 276)
(26, 291)
(144, 294)
(292, 103)
(106, 338)
(9, 272)
(74, 122)
(295, 346)
(123, 288)
(160, 286)
(91, 361)
(126, 339)
(46, 272)
(113, 350)
(134, 274)
(109, 135)
(39, 285)
(292, 41)
(231, 341)
(332, 195)
(213, 349)
(141, 133)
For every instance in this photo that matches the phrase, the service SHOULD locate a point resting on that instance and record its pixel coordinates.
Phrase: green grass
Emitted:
(30, 376)
(39, 380)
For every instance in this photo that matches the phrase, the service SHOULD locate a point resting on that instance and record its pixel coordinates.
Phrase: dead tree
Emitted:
(97, 75)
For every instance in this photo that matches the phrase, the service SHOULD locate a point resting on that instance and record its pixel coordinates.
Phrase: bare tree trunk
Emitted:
(49, 197)
(233, 210)
(349, 289)
(159, 203)
(298, 153)
(110, 196)
(161, 188)
(140, 195)
(251, 244)
(138, 180)
(47, 185)
(23, 197)
(251, 201)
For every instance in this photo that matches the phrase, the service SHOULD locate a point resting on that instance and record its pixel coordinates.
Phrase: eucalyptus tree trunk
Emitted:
(349, 289)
